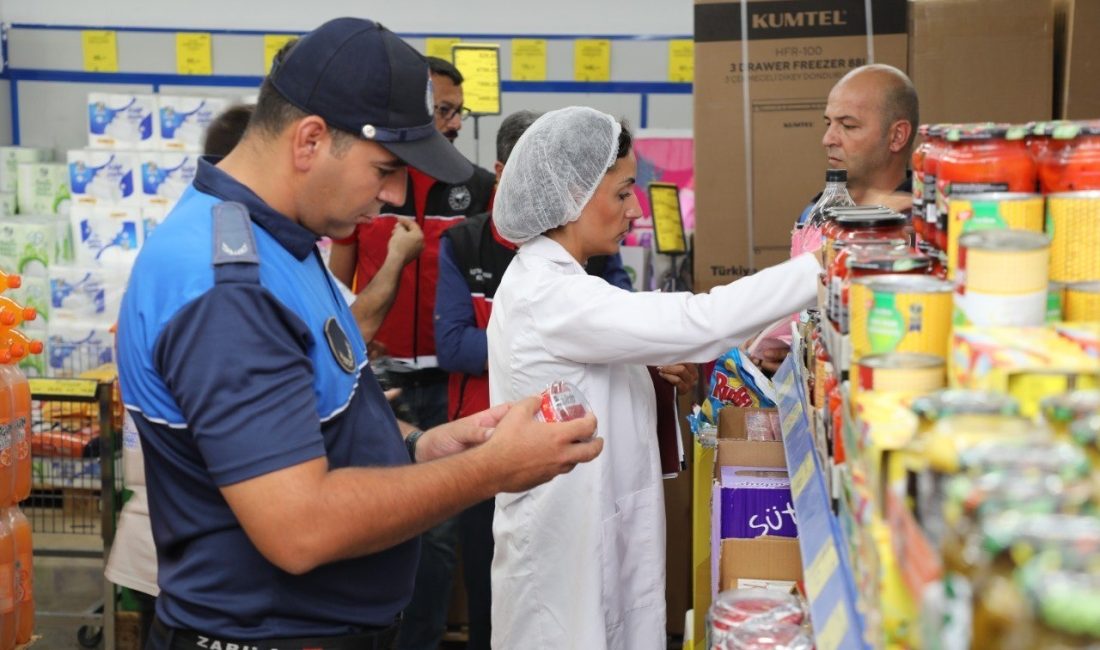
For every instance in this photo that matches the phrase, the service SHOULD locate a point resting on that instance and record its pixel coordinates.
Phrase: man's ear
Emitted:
(308, 136)
(899, 135)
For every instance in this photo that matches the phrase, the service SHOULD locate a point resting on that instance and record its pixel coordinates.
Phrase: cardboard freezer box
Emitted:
(758, 157)
(1076, 59)
(982, 60)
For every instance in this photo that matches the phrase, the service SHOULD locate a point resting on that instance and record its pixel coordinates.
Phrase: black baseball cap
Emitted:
(362, 78)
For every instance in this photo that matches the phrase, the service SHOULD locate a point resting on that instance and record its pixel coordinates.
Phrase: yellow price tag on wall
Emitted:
(528, 59)
(272, 44)
(681, 60)
(668, 222)
(592, 59)
(480, 68)
(100, 50)
(440, 48)
(193, 53)
(41, 386)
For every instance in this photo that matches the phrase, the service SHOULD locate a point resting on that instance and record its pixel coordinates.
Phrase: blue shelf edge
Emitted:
(827, 569)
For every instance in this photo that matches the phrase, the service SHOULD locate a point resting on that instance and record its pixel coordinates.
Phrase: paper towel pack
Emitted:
(85, 292)
(102, 177)
(183, 120)
(74, 346)
(43, 188)
(107, 236)
(11, 157)
(165, 176)
(28, 244)
(121, 121)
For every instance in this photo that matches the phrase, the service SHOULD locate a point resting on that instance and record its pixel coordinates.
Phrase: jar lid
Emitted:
(884, 219)
(902, 260)
(947, 402)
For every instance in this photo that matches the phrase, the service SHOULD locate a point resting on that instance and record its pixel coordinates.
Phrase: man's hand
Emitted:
(681, 375)
(526, 452)
(406, 242)
(769, 359)
(453, 437)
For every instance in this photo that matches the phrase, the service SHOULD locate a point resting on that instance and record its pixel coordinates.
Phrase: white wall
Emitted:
(52, 114)
(462, 16)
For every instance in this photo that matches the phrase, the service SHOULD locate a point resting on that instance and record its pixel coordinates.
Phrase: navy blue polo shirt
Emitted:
(229, 381)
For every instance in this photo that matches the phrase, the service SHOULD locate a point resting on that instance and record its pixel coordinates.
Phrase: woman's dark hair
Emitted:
(625, 140)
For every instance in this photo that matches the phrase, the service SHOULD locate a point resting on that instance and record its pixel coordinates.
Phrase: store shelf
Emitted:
(825, 563)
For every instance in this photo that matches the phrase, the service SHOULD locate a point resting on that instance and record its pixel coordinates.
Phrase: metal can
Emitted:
(1082, 301)
(991, 211)
(1073, 222)
(561, 401)
(1002, 278)
(901, 371)
(900, 313)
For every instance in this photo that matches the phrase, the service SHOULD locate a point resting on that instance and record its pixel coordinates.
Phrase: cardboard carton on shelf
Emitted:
(763, 72)
(982, 60)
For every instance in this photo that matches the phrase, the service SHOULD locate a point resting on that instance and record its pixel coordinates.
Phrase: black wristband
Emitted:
(410, 443)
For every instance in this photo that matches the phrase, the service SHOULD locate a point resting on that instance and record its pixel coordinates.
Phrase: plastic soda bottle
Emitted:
(24, 575)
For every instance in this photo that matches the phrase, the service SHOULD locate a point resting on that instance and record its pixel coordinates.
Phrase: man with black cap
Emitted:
(285, 499)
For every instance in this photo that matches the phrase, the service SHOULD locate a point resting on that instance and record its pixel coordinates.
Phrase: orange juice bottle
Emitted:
(24, 574)
(7, 585)
(7, 431)
(12, 314)
(21, 431)
(10, 281)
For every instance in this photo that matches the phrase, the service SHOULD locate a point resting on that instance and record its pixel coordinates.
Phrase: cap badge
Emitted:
(368, 131)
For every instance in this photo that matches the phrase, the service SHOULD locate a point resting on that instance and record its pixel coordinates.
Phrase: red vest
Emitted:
(407, 330)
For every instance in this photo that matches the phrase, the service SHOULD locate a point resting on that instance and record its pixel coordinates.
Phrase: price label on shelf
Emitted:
(193, 53)
(592, 59)
(100, 50)
(63, 387)
(832, 634)
(529, 59)
(820, 570)
(802, 476)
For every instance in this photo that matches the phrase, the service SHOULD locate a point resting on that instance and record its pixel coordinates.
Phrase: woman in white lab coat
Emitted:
(580, 561)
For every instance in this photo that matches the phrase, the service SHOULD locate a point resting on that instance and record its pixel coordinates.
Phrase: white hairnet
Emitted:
(553, 171)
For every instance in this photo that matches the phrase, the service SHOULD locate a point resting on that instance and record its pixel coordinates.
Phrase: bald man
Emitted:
(871, 121)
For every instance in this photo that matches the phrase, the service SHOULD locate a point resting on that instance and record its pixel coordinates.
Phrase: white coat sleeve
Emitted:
(585, 320)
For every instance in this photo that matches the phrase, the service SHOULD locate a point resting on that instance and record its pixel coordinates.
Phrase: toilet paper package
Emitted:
(165, 176)
(28, 245)
(183, 120)
(81, 292)
(34, 292)
(121, 121)
(102, 177)
(74, 346)
(43, 188)
(11, 157)
(107, 237)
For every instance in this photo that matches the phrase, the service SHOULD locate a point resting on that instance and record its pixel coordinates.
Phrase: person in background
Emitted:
(285, 499)
(871, 123)
(579, 562)
(407, 332)
(472, 260)
(224, 131)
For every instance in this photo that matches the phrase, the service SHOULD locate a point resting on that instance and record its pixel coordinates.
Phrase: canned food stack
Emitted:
(1038, 177)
